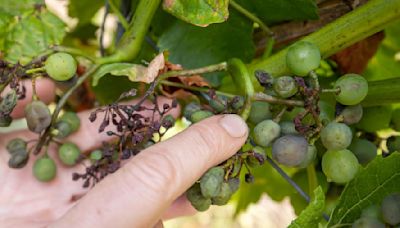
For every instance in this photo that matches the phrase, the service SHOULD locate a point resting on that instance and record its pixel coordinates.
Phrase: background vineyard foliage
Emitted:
(26, 32)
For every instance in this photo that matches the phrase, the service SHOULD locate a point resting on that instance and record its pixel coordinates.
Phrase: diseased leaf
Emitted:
(380, 178)
(135, 72)
(18, 7)
(32, 35)
(310, 216)
(199, 12)
(210, 45)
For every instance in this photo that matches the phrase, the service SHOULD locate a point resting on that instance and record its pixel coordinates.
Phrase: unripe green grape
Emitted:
(72, 119)
(223, 196)
(396, 119)
(16, 145)
(44, 169)
(303, 57)
(63, 129)
(96, 155)
(285, 86)
(265, 132)
(198, 201)
(366, 222)
(352, 114)
(200, 115)
(259, 111)
(60, 66)
(340, 166)
(190, 109)
(38, 116)
(390, 208)
(353, 89)
(310, 156)
(375, 118)
(393, 144)
(210, 182)
(290, 150)
(364, 150)
(218, 103)
(69, 153)
(336, 136)
(288, 128)
(18, 159)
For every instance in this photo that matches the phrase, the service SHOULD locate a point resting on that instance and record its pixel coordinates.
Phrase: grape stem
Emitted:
(35, 70)
(273, 100)
(194, 88)
(333, 90)
(182, 73)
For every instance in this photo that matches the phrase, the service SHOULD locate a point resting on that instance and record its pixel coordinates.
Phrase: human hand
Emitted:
(146, 189)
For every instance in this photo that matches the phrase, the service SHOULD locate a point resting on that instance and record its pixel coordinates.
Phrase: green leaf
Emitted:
(210, 45)
(380, 178)
(32, 35)
(272, 11)
(18, 7)
(198, 12)
(312, 214)
(109, 89)
(84, 10)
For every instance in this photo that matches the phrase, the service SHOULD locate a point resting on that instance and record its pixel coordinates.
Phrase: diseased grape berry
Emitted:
(265, 132)
(336, 136)
(44, 169)
(96, 155)
(310, 156)
(234, 184)
(15, 145)
(168, 121)
(60, 66)
(339, 166)
(390, 208)
(257, 158)
(364, 150)
(353, 89)
(288, 128)
(18, 159)
(218, 103)
(69, 153)
(367, 222)
(63, 129)
(5, 120)
(352, 114)
(303, 57)
(190, 109)
(195, 197)
(237, 103)
(38, 116)
(210, 182)
(200, 115)
(290, 150)
(375, 118)
(223, 196)
(285, 86)
(9, 102)
(259, 111)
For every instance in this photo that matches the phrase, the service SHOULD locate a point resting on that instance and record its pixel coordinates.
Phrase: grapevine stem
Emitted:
(251, 16)
(116, 11)
(333, 90)
(314, 76)
(35, 70)
(207, 69)
(273, 100)
(193, 88)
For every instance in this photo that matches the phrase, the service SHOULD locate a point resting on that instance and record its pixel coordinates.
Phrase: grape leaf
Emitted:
(313, 212)
(210, 45)
(32, 35)
(200, 12)
(380, 178)
(18, 7)
(84, 10)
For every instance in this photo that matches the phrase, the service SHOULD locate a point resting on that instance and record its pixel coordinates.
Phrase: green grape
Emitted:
(265, 132)
(210, 182)
(18, 159)
(38, 116)
(63, 129)
(168, 121)
(218, 103)
(352, 114)
(290, 150)
(288, 128)
(340, 166)
(190, 109)
(375, 118)
(60, 66)
(16, 144)
(367, 222)
(69, 153)
(200, 115)
(223, 196)
(259, 111)
(310, 156)
(285, 86)
(364, 150)
(44, 169)
(96, 155)
(72, 119)
(353, 89)
(303, 57)
(336, 136)
(198, 201)
(396, 119)
(390, 208)
(373, 211)
(393, 144)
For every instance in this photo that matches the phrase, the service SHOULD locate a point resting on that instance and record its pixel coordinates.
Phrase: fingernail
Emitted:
(234, 125)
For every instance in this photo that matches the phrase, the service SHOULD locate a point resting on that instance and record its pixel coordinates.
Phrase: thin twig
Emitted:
(208, 69)
(273, 100)
(193, 88)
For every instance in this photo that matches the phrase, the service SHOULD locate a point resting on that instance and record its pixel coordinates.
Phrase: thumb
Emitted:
(138, 194)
